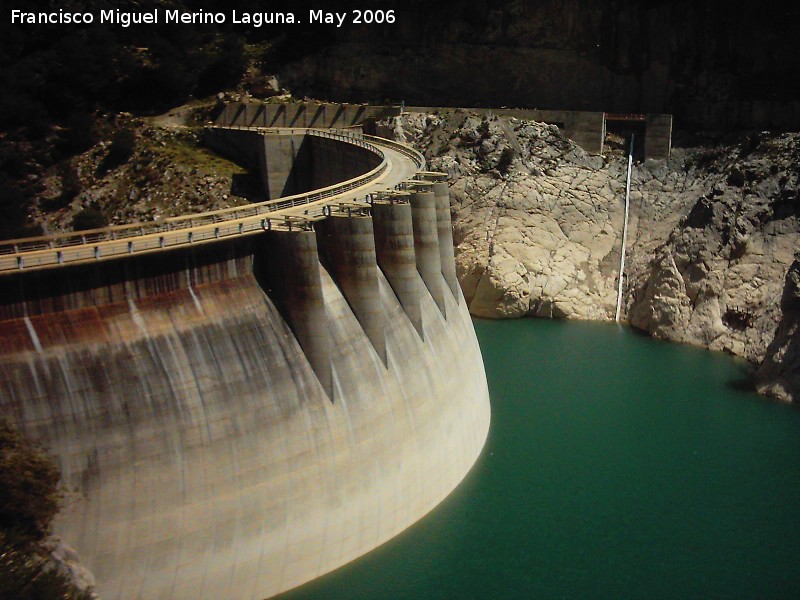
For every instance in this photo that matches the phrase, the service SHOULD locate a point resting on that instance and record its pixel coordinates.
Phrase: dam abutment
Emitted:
(292, 162)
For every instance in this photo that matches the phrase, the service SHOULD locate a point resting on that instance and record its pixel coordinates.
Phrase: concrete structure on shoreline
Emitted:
(241, 401)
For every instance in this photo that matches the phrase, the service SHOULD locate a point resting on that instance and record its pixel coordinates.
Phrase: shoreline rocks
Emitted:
(712, 235)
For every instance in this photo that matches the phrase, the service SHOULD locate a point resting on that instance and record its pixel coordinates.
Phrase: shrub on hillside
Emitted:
(29, 495)
(27, 576)
(29, 499)
(13, 210)
(506, 159)
(89, 218)
(121, 149)
(79, 134)
(71, 184)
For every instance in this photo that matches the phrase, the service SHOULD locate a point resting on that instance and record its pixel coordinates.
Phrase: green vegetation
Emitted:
(506, 159)
(24, 576)
(70, 182)
(13, 214)
(79, 134)
(90, 217)
(121, 149)
(29, 499)
(57, 83)
(29, 495)
(61, 87)
(190, 153)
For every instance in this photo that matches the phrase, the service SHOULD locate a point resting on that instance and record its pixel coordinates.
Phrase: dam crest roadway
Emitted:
(242, 400)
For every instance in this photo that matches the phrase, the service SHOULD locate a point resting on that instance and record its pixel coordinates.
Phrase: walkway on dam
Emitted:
(399, 168)
(399, 164)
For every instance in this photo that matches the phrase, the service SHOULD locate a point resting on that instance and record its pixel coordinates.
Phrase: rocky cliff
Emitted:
(538, 228)
(779, 373)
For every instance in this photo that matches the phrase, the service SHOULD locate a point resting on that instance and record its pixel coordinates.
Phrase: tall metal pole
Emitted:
(624, 231)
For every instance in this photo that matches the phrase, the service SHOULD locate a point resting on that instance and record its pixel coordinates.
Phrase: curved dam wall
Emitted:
(235, 419)
(292, 164)
(301, 114)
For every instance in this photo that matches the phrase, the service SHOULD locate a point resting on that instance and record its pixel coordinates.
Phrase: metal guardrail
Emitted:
(408, 151)
(58, 249)
(350, 132)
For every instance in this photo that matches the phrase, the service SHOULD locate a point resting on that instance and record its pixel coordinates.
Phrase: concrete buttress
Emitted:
(426, 243)
(293, 281)
(445, 229)
(394, 245)
(348, 246)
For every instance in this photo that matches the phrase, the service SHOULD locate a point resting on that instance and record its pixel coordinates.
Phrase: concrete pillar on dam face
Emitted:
(289, 271)
(426, 242)
(446, 251)
(282, 159)
(394, 246)
(348, 245)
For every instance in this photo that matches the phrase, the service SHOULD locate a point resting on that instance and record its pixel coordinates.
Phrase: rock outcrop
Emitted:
(64, 560)
(779, 374)
(538, 229)
(168, 173)
(717, 280)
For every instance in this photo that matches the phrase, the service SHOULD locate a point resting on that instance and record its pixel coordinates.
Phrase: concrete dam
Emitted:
(242, 400)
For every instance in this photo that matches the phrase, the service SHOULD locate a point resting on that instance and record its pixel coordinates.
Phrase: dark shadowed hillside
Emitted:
(715, 65)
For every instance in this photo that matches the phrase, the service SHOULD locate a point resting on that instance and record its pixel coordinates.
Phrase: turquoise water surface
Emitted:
(616, 467)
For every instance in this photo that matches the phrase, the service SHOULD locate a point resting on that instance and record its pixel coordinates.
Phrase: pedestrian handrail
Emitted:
(408, 151)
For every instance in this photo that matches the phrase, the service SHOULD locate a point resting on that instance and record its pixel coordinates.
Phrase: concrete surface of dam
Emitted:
(238, 413)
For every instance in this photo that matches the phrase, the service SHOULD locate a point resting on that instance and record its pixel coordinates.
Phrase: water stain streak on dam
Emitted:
(239, 413)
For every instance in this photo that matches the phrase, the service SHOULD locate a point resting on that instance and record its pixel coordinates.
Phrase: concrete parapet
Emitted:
(394, 246)
(445, 229)
(347, 244)
(426, 242)
(288, 269)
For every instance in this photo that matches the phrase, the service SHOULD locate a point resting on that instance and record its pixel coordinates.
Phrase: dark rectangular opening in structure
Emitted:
(620, 128)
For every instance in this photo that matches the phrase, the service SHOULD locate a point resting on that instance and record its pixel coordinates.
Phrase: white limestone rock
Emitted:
(712, 232)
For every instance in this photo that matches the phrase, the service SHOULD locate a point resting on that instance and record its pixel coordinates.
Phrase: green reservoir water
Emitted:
(616, 467)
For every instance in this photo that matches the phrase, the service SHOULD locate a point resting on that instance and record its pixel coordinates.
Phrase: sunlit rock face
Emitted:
(713, 230)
